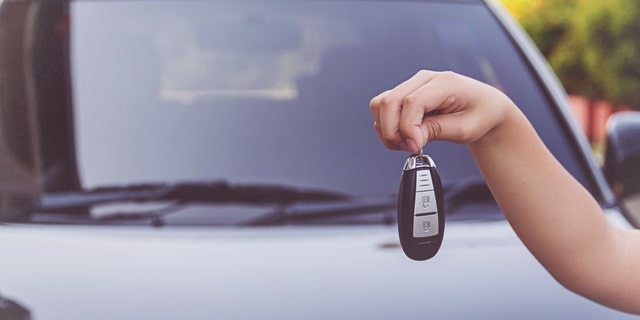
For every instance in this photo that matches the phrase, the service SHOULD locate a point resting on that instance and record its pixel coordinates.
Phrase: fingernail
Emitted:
(425, 132)
(413, 146)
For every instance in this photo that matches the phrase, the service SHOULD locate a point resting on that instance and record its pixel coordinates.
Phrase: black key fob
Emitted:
(420, 208)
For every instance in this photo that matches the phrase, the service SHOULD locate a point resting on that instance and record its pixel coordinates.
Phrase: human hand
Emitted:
(437, 106)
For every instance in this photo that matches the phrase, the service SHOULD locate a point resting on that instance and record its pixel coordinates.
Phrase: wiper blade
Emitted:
(327, 211)
(473, 189)
(186, 192)
(457, 195)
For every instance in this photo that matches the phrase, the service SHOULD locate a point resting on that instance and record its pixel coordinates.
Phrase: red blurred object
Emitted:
(593, 115)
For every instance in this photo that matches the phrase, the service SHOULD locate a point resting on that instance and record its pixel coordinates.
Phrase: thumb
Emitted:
(431, 129)
(420, 134)
(453, 127)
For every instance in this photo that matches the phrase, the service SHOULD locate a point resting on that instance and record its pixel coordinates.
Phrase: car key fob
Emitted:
(420, 208)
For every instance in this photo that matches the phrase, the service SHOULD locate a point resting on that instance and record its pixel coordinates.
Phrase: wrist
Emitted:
(508, 122)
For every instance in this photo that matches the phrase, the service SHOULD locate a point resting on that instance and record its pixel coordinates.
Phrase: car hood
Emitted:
(293, 272)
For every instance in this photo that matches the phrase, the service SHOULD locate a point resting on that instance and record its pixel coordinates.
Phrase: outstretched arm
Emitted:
(571, 238)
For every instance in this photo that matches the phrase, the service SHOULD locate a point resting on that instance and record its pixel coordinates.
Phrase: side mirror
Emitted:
(622, 161)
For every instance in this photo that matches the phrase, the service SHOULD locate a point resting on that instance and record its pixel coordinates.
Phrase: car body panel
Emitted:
(291, 272)
(203, 268)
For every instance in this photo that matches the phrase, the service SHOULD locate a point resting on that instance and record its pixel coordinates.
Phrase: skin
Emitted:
(573, 241)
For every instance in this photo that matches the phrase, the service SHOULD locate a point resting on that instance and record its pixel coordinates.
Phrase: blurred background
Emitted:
(593, 47)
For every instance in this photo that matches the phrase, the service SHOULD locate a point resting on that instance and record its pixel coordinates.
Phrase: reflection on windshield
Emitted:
(262, 58)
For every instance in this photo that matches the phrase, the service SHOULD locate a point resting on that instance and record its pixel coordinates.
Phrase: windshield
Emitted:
(273, 92)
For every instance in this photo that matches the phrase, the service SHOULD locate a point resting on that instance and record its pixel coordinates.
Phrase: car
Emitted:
(217, 159)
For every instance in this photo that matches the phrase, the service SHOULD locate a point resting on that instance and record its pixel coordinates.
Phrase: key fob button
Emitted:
(425, 226)
(425, 203)
(424, 181)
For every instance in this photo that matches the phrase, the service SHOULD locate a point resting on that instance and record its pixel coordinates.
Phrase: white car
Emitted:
(217, 160)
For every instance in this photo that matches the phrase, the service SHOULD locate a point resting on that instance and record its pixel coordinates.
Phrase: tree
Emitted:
(593, 46)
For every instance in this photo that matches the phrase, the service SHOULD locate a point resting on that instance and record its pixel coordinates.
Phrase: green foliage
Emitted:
(593, 46)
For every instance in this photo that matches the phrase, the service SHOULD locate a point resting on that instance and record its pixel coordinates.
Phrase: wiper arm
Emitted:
(473, 189)
(187, 192)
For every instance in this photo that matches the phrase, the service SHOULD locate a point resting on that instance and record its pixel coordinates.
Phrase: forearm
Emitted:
(556, 218)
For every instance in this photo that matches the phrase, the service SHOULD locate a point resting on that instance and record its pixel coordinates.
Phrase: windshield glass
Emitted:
(275, 92)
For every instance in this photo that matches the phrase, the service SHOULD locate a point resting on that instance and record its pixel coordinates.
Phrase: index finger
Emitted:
(388, 107)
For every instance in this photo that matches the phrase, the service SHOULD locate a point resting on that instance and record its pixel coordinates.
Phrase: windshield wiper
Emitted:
(457, 195)
(292, 205)
(181, 193)
(289, 205)
(340, 211)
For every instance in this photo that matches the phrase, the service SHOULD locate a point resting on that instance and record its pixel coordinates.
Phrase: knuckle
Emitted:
(422, 73)
(387, 135)
(373, 104)
(452, 99)
(448, 74)
(409, 100)
(392, 146)
(404, 130)
(390, 138)
(385, 100)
